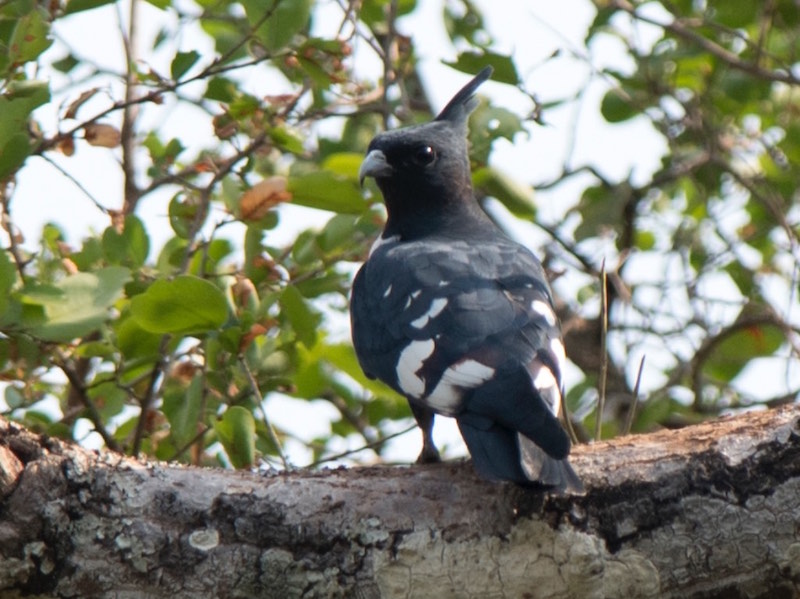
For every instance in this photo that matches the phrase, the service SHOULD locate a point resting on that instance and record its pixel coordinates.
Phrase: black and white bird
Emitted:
(454, 315)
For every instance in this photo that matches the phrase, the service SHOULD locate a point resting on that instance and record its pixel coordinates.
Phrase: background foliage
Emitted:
(170, 349)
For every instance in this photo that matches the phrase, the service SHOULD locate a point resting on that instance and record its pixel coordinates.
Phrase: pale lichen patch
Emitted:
(536, 560)
(204, 539)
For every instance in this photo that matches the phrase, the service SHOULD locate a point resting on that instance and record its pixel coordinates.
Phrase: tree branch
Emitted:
(679, 29)
(707, 511)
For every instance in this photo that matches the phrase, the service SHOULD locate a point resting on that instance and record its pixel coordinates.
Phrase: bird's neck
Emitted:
(452, 211)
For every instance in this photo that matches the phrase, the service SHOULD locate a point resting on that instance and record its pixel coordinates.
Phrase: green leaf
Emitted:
(77, 305)
(11, 10)
(183, 305)
(320, 77)
(183, 215)
(516, 197)
(303, 320)
(601, 209)
(742, 87)
(345, 164)
(207, 262)
(337, 232)
(286, 139)
(221, 89)
(373, 12)
(29, 39)
(488, 123)
(645, 240)
(108, 397)
(184, 410)
(327, 191)
(304, 248)
(237, 433)
(468, 26)
(735, 14)
(227, 34)
(343, 357)
(16, 106)
(13, 153)
(74, 6)
(743, 277)
(182, 62)
(331, 282)
(130, 247)
(311, 379)
(735, 350)
(600, 22)
(8, 277)
(285, 18)
(13, 397)
(616, 108)
(473, 62)
(66, 64)
(134, 342)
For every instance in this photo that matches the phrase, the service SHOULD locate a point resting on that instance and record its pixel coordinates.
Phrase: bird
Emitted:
(453, 314)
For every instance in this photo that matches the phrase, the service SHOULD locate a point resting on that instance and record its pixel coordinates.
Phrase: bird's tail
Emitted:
(545, 470)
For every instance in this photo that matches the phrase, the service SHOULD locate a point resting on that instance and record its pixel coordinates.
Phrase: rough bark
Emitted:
(707, 511)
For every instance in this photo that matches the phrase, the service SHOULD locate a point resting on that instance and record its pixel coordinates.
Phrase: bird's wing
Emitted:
(435, 319)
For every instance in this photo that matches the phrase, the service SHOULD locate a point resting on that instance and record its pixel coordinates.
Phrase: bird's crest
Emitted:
(464, 102)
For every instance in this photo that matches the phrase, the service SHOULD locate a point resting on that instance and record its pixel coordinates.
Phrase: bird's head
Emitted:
(423, 170)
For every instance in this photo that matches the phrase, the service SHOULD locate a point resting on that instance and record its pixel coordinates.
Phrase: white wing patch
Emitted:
(545, 383)
(468, 374)
(382, 241)
(409, 363)
(414, 295)
(545, 311)
(558, 351)
(388, 291)
(437, 306)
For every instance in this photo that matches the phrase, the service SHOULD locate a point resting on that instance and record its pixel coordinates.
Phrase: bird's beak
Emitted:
(374, 165)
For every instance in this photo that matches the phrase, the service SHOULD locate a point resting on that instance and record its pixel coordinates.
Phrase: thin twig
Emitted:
(375, 443)
(8, 225)
(181, 450)
(679, 29)
(389, 47)
(601, 399)
(635, 399)
(573, 436)
(79, 389)
(260, 398)
(150, 394)
(77, 183)
(130, 112)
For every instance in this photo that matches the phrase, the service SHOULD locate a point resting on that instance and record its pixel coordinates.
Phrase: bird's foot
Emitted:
(429, 455)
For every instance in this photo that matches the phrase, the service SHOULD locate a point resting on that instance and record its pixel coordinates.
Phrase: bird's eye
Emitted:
(424, 155)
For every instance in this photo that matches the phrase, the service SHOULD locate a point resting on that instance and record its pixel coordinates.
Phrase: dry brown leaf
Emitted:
(100, 134)
(259, 199)
(244, 293)
(72, 110)
(257, 330)
(225, 127)
(66, 145)
(184, 371)
(69, 266)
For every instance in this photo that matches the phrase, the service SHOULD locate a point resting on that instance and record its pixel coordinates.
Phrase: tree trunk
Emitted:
(707, 511)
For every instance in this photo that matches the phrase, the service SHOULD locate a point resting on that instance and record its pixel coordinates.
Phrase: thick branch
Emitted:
(707, 511)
